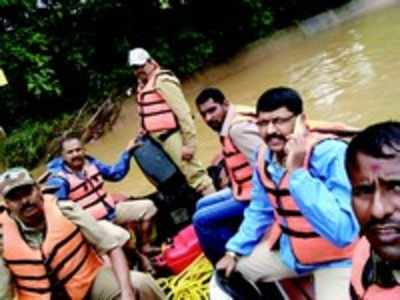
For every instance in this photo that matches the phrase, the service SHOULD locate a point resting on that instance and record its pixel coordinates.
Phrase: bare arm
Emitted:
(121, 271)
(107, 238)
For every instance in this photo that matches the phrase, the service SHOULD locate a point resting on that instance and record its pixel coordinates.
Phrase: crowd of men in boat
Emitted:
(295, 198)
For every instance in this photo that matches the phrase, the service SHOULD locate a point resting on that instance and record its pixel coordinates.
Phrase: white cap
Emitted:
(138, 57)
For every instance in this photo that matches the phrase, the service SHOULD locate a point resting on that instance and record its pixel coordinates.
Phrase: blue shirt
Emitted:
(323, 195)
(110, 173)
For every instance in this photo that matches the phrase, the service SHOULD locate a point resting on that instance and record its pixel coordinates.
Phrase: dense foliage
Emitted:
(58, 53)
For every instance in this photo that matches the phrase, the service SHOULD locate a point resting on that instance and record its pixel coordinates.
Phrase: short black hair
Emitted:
(278, 97)
(372, 140)
(215, 94)
(67, 137)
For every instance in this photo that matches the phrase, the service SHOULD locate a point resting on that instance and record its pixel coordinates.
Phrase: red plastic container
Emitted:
(184, 249)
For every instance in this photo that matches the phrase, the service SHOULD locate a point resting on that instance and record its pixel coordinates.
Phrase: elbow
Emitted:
(342, 243)
(348, 237)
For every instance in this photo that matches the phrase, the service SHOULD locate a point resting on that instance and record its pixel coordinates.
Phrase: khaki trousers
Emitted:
(193, 170)
(106, 287)
(134, 211)
(266, 265)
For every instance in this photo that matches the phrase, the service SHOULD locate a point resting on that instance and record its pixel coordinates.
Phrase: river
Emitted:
(349, 72)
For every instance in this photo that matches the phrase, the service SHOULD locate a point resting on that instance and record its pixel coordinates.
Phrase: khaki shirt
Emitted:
(244, 135)
(172, 93)
(103, 235)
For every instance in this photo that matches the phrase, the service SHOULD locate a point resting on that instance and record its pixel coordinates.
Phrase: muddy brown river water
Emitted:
(346, 73)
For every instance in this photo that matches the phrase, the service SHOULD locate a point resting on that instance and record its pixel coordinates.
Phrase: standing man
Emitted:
(219, 215)
(80, 178)
(299, 220)
(49, 249)
(373, 165)
(165, 115)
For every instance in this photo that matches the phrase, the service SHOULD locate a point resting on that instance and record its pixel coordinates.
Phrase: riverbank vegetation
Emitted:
(58, 54)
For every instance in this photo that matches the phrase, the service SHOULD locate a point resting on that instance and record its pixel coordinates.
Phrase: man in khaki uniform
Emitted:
(36, 225)
(165, 115)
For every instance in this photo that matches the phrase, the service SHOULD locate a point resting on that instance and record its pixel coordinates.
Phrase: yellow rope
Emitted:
(191, 283)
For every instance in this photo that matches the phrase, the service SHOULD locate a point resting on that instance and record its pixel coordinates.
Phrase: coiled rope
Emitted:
(191, 283)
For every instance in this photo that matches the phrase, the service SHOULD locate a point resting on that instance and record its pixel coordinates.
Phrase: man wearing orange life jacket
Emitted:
(165, 114)
(49, 249)
(299, 220)
(80, 178)
(373, 165)
(218, 215)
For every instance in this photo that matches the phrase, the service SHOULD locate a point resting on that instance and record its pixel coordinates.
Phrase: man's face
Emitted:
(73, 154)
(142, 72)
(376, 202)
(213, 113)
(275, 127)
(26, 202)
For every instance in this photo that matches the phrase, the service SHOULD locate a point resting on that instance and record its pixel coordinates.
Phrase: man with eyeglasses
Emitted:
(165, 114)
(373, 165)
(51, 249)
(299, 220)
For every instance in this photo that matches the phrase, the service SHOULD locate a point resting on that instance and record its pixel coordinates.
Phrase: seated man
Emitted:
(80, 178)
(219, 215)
(299, 220)
(373, 165)
(49, 249)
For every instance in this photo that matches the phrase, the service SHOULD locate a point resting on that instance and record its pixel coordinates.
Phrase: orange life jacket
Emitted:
(307, 245)
(154, 112)
(89, 193)
(64, 259)
(361, 254)
(238, 167)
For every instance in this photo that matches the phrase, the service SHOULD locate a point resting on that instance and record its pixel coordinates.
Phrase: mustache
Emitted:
(275, 135)
(214, 124)
(26, 206)
(372, 224)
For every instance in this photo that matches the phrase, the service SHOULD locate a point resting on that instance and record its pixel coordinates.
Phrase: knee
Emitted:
(200, 203)
(199, 219)
(247, 272)
(150, 211)
(146, 286)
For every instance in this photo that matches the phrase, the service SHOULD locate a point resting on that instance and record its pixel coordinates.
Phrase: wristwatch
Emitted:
(233, 255)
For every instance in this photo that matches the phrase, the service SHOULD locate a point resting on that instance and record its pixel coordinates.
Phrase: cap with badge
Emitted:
(14, 178)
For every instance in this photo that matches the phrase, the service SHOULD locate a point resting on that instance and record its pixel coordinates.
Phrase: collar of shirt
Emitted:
(230, 114)
(380, 272)
(88, 160)
(381, 267)
(33, 236)
(274, 168)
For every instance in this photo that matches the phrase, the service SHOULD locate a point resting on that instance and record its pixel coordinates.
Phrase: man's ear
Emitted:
(303, 117)
(225, 103)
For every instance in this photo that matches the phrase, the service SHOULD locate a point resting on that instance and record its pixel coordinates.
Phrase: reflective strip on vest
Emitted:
(154, 112)
(89, 192)
(237, 166)
(362, 253)
(307, 245)
(65, 260)
(238, 169)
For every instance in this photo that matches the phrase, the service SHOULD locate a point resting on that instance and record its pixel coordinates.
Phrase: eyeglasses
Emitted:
(279, 121)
